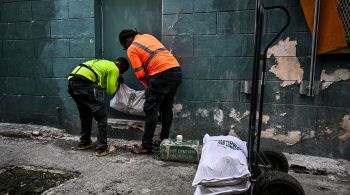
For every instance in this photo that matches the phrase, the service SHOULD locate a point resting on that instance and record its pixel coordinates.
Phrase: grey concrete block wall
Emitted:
(41, 42)
(216, 54)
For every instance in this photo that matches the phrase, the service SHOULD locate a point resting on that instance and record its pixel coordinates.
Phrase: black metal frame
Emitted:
(311, 87)
(259, 71)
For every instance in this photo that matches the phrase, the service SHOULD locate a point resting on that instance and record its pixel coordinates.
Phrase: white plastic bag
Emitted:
(128, 100)
(223, 167)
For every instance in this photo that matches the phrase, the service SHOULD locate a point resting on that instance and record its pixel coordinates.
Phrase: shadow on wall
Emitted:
(52, 67)
(33, 94)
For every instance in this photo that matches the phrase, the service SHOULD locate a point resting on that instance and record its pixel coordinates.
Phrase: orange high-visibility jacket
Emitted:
(148, 56)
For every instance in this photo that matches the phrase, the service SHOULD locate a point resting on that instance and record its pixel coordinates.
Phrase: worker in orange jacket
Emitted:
(160, 73)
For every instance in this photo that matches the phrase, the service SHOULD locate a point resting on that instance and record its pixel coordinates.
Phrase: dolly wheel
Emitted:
(277, 183)
(272, 161)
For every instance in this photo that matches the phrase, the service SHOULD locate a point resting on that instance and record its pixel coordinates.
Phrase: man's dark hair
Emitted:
(125, 34)
(123, 64)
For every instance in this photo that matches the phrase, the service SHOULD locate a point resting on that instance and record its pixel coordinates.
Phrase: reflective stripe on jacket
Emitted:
(106, 71)
(148, 56)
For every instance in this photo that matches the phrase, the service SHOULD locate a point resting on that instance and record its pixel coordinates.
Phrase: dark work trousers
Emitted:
(159, 97)
(82, 91)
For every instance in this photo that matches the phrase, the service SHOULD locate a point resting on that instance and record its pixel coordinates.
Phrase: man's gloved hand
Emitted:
(120, 80)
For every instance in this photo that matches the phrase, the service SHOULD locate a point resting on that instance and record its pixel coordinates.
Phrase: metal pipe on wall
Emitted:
(310, 91)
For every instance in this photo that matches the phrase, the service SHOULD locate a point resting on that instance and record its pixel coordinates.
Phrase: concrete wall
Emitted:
(214, 41)
(41, 41)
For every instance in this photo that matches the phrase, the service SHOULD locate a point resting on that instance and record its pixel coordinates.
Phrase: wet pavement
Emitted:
(30, 180)
(127, 173)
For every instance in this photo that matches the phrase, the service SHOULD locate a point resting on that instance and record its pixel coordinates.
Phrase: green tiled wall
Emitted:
(41, 42)
(214, 42)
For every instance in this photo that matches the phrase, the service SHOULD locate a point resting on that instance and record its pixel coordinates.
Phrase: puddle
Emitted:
(29, 180)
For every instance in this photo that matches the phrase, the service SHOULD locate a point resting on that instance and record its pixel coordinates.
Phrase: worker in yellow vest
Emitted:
(82, 82)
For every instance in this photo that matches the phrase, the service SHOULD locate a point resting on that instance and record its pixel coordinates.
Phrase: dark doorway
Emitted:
(143, 15)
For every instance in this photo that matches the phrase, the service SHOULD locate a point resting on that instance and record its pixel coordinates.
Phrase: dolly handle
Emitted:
(283, 29)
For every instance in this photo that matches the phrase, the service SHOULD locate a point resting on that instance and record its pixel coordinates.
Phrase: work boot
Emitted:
(87, 146)
(111, 149)
(141, 150)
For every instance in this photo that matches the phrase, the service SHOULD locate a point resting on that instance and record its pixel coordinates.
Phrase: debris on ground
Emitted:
(128, 173)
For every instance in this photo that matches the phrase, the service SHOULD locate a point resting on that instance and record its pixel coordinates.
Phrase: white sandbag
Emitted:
(223, 162)
(128, 100)
(220, 182)
(229, 189)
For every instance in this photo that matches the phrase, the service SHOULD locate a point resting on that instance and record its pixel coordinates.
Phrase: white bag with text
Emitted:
(223, 167)
(128, 100)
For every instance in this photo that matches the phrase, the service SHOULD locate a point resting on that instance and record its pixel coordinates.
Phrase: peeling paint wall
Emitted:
(345, 125)
(218, 116)
(203, 112)
(177, 108)
(337, 75)
(287, 67)
(291, 138)
(214, 43)
(237, 116)
(265, 119)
